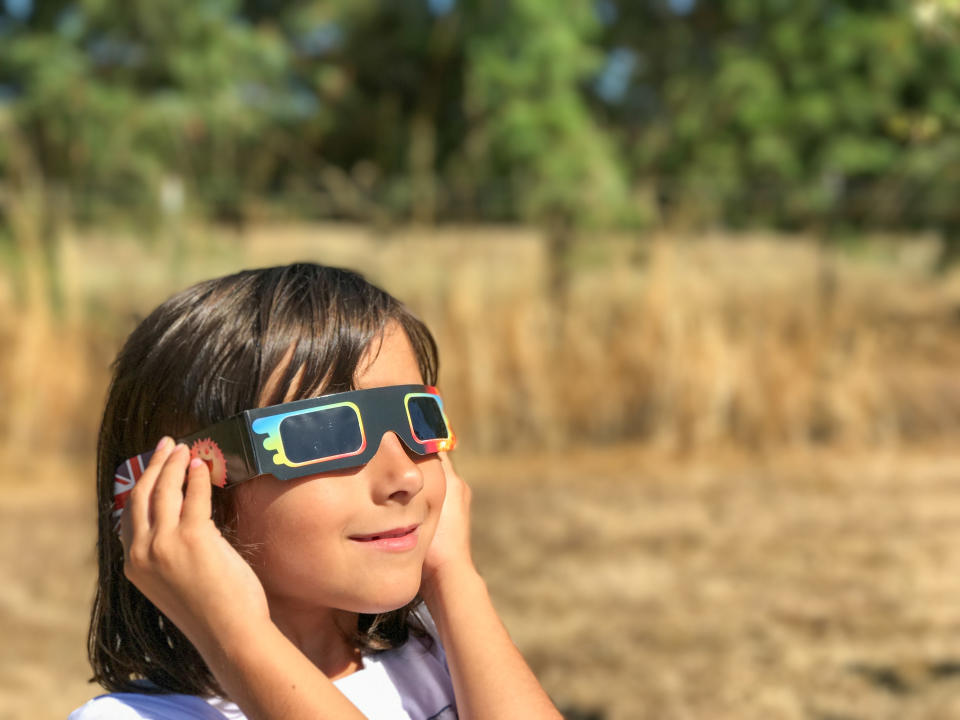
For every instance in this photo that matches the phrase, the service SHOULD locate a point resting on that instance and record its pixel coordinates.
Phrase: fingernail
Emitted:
(196, 462)
(162, 444)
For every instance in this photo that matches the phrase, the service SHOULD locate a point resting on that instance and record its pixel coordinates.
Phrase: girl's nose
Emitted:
(394, 476)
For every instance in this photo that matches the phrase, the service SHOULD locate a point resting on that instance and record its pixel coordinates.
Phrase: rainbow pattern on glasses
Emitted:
(305, 437)
(313, 434)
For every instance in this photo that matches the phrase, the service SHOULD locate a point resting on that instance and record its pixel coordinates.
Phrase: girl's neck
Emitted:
(324, 636)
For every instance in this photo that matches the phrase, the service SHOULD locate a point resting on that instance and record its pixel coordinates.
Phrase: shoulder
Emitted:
(141, 706)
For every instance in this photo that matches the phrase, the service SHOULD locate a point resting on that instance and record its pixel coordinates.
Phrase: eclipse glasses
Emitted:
(306, 437)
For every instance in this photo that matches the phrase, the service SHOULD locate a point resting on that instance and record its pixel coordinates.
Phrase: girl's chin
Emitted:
(371, 599)
(384, 603)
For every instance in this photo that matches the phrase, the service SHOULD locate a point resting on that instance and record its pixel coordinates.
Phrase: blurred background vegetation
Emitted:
(834, 116)
(748, 113)
(697, 259)
(602, 126)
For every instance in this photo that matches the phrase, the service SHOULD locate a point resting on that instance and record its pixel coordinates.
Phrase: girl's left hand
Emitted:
(490, 677)
(450, 549)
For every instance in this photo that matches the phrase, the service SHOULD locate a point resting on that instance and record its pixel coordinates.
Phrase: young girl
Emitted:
(307, 555)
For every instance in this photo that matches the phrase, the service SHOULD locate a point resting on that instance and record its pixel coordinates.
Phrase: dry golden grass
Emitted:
(755, 341)
(764, 528)
(817, 587)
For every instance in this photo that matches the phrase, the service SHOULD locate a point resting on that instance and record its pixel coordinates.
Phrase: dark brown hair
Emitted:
(203, 355)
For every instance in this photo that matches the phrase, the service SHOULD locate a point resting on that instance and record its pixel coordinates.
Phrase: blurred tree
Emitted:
(460, 109)
(938, 169)
(387, 77)
(762, 112)
(486, 95)
(533, 146)
(115, 99)
(829, 114)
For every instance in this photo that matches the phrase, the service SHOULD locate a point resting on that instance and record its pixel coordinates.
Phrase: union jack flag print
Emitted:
(125, 477)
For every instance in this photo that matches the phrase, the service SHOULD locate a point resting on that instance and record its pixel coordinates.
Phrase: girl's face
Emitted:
(312, 537)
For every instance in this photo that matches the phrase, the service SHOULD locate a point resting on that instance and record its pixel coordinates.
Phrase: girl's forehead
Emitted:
(389, 359)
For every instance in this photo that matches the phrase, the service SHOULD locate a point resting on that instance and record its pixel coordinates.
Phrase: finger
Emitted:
(197, 505)
(449, 478)
(168, 493)
(449, 472)
(457, 489)
(135, 520)
(126, 532)
(446, 464)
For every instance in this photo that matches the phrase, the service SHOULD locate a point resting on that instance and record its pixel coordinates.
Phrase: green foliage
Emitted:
(795, 114)
(115, 98)
(535, 136)
(749, 112)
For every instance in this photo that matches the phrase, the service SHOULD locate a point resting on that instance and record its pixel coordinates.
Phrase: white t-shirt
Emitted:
(411, 682)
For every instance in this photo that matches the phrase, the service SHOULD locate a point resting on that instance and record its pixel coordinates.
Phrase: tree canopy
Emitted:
(584, 112)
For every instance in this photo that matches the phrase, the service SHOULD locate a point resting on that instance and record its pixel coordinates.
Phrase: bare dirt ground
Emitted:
(823, 587)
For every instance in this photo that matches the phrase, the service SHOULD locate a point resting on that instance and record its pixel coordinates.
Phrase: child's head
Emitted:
(259, 338)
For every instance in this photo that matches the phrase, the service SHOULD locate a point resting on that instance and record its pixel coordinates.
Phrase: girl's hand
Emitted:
(490, 677)
(177, 557)
(450, 550)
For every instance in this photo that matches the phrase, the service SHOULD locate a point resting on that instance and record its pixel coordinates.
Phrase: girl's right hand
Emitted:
(178, 558)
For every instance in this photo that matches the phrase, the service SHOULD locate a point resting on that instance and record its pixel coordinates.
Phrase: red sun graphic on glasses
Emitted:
(208, 451)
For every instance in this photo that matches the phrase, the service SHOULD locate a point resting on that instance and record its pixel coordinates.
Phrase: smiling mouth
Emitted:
(386, 534)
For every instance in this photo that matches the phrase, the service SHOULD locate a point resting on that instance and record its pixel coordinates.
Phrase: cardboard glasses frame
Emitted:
(306, 437)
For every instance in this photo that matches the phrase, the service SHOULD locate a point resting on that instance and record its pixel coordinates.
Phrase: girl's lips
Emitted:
(395, 540)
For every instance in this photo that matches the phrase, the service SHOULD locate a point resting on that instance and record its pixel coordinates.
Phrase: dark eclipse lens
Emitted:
(426, 418)
(322, 433)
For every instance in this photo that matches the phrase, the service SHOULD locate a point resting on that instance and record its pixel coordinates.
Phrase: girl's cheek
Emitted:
(437, 485)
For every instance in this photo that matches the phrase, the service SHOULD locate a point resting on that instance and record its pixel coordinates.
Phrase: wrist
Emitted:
(452, 580)
(235, 642)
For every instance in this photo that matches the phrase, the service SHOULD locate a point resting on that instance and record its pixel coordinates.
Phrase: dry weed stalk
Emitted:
(47, 383)
(43, 370)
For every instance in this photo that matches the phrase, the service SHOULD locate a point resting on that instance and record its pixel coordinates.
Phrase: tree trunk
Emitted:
(950, 248)
(560, 240)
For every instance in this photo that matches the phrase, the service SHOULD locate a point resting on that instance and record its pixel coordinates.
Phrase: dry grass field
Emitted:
(637, 586)
(732, 489)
